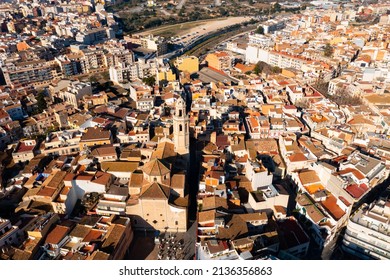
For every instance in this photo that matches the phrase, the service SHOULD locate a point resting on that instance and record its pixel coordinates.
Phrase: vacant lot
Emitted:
(201, 26)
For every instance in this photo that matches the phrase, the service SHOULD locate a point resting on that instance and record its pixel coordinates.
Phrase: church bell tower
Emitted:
(181, 128)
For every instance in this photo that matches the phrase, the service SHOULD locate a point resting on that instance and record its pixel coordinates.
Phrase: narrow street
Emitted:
(193, 182)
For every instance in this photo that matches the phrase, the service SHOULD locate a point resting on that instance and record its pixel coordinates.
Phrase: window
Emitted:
(176, 223)
(180, 113)
(180, 127)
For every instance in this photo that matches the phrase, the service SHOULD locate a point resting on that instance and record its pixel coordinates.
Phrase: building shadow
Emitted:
(142, 245)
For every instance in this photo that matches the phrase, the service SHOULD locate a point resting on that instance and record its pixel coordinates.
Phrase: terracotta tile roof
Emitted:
(99, 177)
(214, 202)
(254, 217)
(356, 191)
(354, 171)
(221, 54)
(156, 191)
(206, 217)
(93, 235)
(94, 134)
(216, 246)
(164, 150)
(181, 202)
(245, 68)
(178, 181)
(113, 238)
(236, 228)
(330, 204)
(57, 234)
(297, 157)
(23, 148)
(46, 191)
(308, 177)
(155, 168)
(106, 150)
(344, 201)
(313, 188)
(136, 180)
(360, 120)
(80, 231)
(119, 166)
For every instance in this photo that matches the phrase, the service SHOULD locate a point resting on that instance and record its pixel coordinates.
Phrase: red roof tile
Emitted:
(330, 204)
(356, 191)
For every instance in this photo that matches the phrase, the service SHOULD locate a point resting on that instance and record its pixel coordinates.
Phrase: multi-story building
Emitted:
(124, 74)
(95, 136)
(93, 59)
(368, 232)
(95, 35)
(14, 110)
(31, 72)
(146, 103)
(62, 142)
(187, 64)
(25, 150)
(155, 43)
(8, 233)
(258, 174)
(261, 40)
(219, 60)
(272, 25)
(75, 92)
(117, 56)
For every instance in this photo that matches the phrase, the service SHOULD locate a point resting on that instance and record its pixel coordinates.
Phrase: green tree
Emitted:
(277, 7)
(150, 81)
(276, 70)
(106, 75)
(262, 67)
(260, 30)
(93, 79)
(258, 68)
(41, 102)
(328, 50)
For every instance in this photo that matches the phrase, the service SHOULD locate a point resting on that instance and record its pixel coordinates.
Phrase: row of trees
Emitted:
(343, 97)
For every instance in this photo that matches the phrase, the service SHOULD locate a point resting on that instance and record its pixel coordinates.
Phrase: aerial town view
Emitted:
(194, 130)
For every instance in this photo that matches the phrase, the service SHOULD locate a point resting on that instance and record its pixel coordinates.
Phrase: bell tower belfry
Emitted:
(181, 130)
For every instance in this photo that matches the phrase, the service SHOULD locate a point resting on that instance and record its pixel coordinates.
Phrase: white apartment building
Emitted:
(368, 232)
(254, 54)
(262, 40)
(123, 74)
(8, 233)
